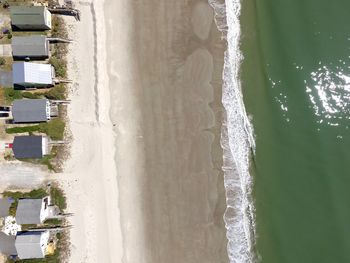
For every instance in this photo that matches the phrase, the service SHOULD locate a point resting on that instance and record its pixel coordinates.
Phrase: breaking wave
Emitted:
(237, 140)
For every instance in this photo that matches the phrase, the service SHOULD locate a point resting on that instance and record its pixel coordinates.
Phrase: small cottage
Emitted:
(32, 244)
(30, 147)
(32, 211)
(31, 110)
(30, 18)
(32, 47)
(32, 75)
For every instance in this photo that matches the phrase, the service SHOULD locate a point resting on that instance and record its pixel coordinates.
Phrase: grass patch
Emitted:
(29, 129)
(54, 129)
(59, 65)
(53, 222)
(11, 94)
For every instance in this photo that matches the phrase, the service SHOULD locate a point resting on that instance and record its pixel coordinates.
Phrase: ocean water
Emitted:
(295, 79)
(286, 134)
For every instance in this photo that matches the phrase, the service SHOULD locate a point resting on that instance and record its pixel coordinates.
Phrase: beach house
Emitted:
(33, 110)
(30, 18)
(32, 244)
(30, 147)
(32, 47)
(32, 75)
(32, 211)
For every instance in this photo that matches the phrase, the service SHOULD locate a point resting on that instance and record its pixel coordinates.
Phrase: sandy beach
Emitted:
(144, 176)
(89, 178)
(165, 65)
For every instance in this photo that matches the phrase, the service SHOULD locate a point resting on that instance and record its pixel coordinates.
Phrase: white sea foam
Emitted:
(237, 141)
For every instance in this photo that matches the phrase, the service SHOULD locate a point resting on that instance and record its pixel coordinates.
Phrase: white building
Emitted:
(32, 244)
(32, 75)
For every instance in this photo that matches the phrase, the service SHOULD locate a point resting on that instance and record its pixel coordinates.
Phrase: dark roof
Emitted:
(28, 15)
(30, 46)
(28, 211)
(29, 110)
(28, 147)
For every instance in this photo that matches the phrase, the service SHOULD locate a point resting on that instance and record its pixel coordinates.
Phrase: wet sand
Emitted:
(165, 63)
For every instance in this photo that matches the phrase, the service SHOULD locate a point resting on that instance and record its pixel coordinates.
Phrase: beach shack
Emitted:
(35, 147)
(30, 18)
(32, 75)
(32, 211)
(32, 111)
(30, 245)
(32, 47)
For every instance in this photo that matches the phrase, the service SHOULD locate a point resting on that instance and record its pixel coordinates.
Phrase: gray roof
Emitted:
(5, 204)
(28, 245)
(28, 211)
(28, 110)
(7, 244)
(28, 147)
(30, 46)
(28, 15)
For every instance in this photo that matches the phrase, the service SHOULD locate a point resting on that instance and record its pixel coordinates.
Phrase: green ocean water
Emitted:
(296, 85)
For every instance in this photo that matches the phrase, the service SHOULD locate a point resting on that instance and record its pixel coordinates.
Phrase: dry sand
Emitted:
(89, 177)
(144, 177)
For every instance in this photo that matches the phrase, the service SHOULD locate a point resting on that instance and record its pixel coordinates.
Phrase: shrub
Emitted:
(56, 93)
(2, 61)
(60, 67)
(58, 197)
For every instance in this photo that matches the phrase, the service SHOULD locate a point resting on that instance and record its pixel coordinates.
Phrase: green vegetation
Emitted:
(56, 93)
(59, 65)
(54, 129)
(53, 222)
(58, 198)
(32, 95)
(2, 61)
(29, 129)
(10, 95)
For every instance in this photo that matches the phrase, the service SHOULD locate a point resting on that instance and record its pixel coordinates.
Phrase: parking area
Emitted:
(22, 175)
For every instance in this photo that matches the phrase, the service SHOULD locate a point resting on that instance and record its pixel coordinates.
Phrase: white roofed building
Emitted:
(32, 75)
(32, 244)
